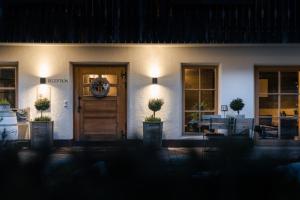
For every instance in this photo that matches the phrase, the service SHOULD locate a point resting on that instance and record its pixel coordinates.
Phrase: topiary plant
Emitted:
(42, 119)
(42, 105)
(237, 105)
(154, 105)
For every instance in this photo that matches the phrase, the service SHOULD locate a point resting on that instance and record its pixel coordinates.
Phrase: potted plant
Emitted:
(4, 105)
(153, 126)
(237, 105)
(42, 127)
(193, 124)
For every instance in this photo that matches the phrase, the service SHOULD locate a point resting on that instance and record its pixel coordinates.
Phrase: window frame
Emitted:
(13, 65)
(215, 67)
(278, 69)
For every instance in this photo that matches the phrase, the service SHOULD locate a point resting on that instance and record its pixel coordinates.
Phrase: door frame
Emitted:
(75, 65)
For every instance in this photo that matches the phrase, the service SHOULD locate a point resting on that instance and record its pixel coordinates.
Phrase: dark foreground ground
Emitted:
(134, 172)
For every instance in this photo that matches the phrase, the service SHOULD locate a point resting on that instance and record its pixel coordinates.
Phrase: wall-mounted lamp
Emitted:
(42, 80)
(154, 80)
(43, 90)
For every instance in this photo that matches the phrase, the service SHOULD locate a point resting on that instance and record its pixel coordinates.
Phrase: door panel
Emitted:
(97, 119)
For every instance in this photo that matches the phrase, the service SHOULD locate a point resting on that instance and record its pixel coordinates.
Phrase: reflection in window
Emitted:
(268, 106)
(10, 96)
(268, 82)
(112, 79)
(191, 80)
(207, 79)
(191, 100)
(207, 100)
(7, 77)
(8, 84)
(289, 82)
(88, 78)
(289, 105)
(278, 106)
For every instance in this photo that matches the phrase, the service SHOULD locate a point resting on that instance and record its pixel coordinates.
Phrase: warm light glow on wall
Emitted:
(44, 70)
(43, 91)
(154, 71)
(154, 91)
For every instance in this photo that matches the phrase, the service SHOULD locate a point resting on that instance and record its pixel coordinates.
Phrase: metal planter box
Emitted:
(152, 134)
(41, 134)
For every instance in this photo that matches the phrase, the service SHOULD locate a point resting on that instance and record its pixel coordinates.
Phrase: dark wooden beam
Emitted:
(150, 21)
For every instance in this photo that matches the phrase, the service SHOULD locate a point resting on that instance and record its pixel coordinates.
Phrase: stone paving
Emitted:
(174, 155)
(175, 166)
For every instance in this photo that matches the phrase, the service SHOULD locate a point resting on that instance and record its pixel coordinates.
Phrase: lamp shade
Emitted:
(154, 80)
(224, 108)
(42, 80)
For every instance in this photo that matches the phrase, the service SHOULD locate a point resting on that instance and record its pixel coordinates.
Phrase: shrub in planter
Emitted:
(42, 127)
(4, 105)
(4, 102)
(152, 126)
(42, 105)
(237, 105)
(155, 105)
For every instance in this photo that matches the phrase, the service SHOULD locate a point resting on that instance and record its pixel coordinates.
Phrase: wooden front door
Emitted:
(99, 118)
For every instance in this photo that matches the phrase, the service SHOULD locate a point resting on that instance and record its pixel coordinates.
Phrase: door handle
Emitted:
(79, 106)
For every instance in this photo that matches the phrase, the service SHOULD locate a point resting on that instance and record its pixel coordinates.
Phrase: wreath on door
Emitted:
(100, 87)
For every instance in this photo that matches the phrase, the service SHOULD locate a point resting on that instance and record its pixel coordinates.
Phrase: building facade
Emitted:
(193, 80)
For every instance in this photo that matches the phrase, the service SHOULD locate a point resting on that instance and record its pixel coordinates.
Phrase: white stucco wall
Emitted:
(236, 76)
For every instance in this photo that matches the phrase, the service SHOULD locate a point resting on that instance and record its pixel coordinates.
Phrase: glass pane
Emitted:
(289, 105)
(112, 91)
(269, 128)
(9, 95)
(206, 113)
(191, 100)
(204, 121)
(191, 78)
(268, 82)
(289, 82)
(112, 79)
(207, 78)
(88, 78)
(207, 100)
(7, 77)
(288, 127)
(191, 122)
(268, 106)
(86, 91)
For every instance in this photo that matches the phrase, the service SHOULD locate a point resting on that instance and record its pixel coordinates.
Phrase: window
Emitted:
(199, 95)
(278, 101)
(8, 84)
(111, 78)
